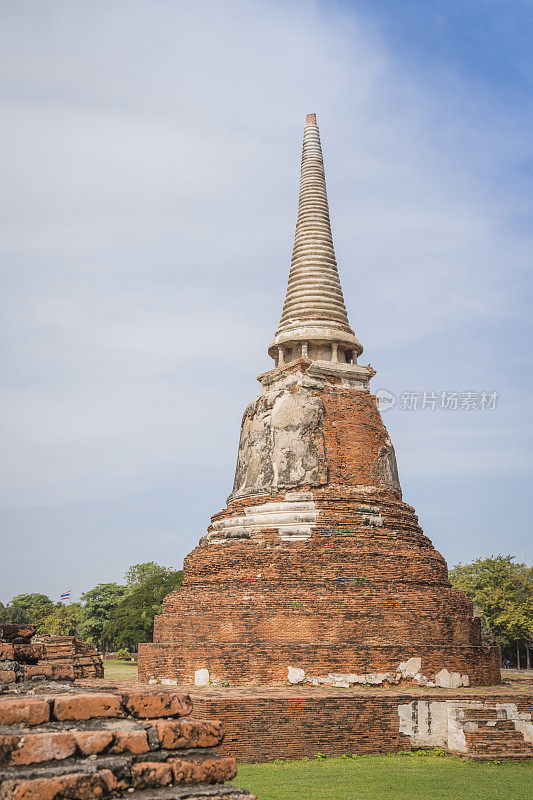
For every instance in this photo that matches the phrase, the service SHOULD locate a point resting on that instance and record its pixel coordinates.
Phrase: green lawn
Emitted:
(394, 777)
(120, 669)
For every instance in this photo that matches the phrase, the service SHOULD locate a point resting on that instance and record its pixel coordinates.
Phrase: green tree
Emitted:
(64, 620)
(99, 603)
(132, 621)
(28, 608)
(119, 616)
(146, 573)
(502, 593)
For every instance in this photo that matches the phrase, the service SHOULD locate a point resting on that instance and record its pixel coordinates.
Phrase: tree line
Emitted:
(111, 616)
(118, 616)
(502, 593)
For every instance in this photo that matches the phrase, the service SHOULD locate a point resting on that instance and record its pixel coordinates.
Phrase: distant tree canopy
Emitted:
(28, 608)
(110, 615)
(50, 618)
(502, 593)
(132, 620)
(98, 606)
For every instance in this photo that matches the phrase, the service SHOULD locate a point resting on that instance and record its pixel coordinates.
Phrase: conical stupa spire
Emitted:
(314, 314)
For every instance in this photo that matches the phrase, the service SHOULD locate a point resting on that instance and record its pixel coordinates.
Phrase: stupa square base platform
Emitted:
(263, 723)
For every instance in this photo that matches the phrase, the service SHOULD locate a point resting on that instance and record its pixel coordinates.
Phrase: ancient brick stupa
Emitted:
(316, 570)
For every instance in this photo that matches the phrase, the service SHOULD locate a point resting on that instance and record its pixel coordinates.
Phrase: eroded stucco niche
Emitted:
(282, 444)
(386, 467)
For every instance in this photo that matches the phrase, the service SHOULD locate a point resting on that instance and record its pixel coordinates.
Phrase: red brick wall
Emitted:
(354, 433)
(263, 728)
(267, 663)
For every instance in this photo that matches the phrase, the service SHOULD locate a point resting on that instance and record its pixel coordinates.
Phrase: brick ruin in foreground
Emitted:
(58, 741)
(317, 570)
(86, 661)
(52, 656)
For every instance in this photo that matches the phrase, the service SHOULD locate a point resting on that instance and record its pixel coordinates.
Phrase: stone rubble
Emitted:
(26, 658)
(23, 662)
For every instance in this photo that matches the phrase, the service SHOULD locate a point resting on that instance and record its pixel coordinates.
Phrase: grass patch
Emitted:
(120, 669)
(388, 777)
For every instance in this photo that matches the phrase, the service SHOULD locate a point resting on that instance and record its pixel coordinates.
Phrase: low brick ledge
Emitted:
(285, 692)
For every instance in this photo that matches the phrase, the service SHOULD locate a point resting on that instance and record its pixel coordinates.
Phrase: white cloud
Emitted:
(150, 174)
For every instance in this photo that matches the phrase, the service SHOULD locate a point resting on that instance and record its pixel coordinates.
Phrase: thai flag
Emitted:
(66, 595)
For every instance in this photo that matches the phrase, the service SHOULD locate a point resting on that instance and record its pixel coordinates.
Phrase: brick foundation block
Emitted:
(11, 632)
(157, 704)
(49, 671)
(204, 770)
(150, 775)
(134, 742)
(24, 710)
(175, 734)
(33, 748)
(22, 653)
(76, 786)
(92, 742)
(87, 706)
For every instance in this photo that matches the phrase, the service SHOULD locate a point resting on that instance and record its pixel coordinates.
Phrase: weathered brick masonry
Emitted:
(85, 745)
(61, 741)
(24, 656)
(316, 564)
(272, 722)
(23, 661)
(86, 661)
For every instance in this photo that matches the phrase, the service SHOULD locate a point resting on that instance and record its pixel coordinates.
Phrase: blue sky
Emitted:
(149, 162)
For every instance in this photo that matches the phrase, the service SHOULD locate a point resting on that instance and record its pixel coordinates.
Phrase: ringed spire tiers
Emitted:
(314, 322)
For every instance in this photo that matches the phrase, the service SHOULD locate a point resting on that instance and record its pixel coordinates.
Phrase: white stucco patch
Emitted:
(294, 518)
(434, 723)
(443, 723)
(410, 667)
(449, 680)
(295, 675)
(409, 670)
(201, 677)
